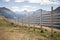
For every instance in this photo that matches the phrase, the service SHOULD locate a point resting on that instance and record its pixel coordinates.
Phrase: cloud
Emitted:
(6, 0)
(19, 9)
(19, 0)
(44, 2)
(15, 9)
(49, 2)
(34, 1)
(29, 8)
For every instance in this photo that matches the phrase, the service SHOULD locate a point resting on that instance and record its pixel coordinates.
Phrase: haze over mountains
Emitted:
(9, 13)
(28, 17)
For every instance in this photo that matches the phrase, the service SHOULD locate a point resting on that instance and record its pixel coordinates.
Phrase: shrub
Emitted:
(51, 35)
(42, 31)
(15, 26)
(46, 30)
(54, 31)
(12, 23)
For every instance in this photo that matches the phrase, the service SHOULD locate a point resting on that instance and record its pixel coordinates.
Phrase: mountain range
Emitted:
(28, 17)
(9, 13)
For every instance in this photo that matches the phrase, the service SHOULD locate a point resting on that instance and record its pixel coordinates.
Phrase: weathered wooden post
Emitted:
(22, 20)
(18, 21)
(28, 19)
(25, 20)
(41, 20)
(51, 22)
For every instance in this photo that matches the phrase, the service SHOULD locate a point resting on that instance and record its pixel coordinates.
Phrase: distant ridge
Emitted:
(57, 9)
(6, 12)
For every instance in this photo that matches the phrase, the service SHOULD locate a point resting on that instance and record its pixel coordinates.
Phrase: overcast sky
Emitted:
(29, 5)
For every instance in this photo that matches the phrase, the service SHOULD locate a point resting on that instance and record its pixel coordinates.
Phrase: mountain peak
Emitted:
(57, 9)
(4, 8)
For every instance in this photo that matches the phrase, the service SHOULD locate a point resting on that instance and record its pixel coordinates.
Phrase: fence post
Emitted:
(51, 22)
(41, 19)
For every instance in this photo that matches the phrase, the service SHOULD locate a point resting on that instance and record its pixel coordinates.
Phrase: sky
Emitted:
(29, 5)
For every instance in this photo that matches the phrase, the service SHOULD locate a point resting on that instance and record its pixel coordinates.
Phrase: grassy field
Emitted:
(10, 31)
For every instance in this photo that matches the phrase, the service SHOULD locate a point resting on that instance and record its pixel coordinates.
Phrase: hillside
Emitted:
(6, 12)
(4, 22)
(10, 31)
